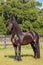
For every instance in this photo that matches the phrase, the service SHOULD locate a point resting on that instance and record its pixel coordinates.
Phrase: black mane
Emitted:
(16, 26)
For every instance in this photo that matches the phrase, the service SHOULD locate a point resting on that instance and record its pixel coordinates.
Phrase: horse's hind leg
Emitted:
(34, 49)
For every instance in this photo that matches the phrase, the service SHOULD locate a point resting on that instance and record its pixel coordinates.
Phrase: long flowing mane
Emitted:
(16, 26)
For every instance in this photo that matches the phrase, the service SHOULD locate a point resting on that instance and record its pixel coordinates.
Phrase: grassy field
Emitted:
(7, 56)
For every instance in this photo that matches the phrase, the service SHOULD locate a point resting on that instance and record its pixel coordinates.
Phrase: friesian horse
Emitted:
(22, 38)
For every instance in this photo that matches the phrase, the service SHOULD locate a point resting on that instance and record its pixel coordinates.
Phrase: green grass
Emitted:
(7, 56)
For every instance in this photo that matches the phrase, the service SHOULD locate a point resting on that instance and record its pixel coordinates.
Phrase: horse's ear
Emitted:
(14, 15)
(11, 17)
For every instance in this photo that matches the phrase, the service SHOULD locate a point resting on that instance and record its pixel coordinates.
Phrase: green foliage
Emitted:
(2, 26)
(28, 12)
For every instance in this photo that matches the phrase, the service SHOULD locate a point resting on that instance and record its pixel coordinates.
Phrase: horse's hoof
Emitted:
(36, 57)
(18, 58)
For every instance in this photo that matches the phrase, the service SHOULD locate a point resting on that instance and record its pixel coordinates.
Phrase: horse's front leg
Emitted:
(18, 57)
(15, 47)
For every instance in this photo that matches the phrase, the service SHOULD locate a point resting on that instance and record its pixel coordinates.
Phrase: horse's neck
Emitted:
(17, 28)
(15, 33)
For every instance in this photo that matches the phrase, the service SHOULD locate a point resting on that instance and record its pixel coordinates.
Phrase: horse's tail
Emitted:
(38, 47)
(37, 42)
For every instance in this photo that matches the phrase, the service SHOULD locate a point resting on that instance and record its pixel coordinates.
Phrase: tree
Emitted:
(2, 26)
(27, 13)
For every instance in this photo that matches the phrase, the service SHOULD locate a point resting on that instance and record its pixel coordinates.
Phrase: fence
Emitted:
(6, 40)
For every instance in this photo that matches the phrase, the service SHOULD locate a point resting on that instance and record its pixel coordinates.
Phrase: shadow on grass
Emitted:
(13, 57)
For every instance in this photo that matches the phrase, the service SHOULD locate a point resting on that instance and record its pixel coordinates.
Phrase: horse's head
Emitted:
(9, 26)
(12, 25)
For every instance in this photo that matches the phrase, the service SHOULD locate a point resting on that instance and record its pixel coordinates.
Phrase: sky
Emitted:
(41, 1)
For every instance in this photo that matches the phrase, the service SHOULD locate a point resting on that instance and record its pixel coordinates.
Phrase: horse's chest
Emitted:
(14, 39)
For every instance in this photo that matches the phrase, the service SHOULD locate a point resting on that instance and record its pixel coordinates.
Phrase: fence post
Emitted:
(5, 40)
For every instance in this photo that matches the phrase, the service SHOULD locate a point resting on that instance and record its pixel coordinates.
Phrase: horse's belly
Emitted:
(26, 41)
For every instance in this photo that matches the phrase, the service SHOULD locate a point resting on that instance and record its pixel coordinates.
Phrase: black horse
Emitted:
(23, 38)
